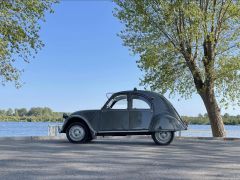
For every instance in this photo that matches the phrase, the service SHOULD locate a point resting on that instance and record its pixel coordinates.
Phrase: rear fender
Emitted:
(166, 122)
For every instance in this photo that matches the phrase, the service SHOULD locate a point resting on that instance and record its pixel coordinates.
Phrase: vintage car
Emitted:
(133, 112)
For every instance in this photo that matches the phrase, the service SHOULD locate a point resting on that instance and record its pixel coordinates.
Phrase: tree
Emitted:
(9, 112)
(35, 111)
(19, 34)
(187, 47)
(205, 115)
(47, 111)
(22, 112)
(15, 112)
(2, 112)
(226, 115)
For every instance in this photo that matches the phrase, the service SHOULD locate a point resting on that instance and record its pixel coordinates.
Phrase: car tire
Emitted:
(77, 133)
(163, 137)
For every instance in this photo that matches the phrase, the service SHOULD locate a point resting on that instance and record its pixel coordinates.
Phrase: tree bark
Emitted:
(214, 113)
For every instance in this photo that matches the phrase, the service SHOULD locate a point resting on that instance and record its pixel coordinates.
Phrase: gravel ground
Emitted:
(119, 158)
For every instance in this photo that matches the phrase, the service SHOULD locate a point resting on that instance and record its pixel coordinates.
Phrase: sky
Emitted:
(83, 59)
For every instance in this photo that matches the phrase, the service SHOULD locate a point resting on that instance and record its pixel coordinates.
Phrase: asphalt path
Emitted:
(119, 158)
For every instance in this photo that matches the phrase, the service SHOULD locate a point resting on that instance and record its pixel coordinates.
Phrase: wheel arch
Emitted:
(73, 119)
(165, 122)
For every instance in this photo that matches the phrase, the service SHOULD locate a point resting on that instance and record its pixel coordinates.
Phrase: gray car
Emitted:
(134, 112)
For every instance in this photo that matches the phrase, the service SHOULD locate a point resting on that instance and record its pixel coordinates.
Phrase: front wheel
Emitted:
(163, 137)
(77, 133)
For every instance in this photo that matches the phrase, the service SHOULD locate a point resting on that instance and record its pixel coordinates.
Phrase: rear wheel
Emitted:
(77, 133)
(163, 137)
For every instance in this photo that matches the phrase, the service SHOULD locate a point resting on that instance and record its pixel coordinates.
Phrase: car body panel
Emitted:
(91, 116)
(161, 116)
(114, 119)
(140, 119)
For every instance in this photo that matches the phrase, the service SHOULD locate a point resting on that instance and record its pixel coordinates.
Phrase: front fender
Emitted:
(166, 122)
(73, 118)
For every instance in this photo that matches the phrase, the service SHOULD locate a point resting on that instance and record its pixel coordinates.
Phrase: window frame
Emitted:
(114, 96)
(143, 98)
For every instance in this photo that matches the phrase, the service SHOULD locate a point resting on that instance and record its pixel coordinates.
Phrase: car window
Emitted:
(119, 102)
(140, 103)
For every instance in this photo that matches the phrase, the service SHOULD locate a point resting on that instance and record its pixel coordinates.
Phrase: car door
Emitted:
(115, 115)
(140, 113)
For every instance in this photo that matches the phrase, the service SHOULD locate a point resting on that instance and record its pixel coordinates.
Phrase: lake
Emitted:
(8, 129)
(24, 128)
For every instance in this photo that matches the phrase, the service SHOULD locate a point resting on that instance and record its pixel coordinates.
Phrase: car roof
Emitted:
(161, 104)
(146, 93)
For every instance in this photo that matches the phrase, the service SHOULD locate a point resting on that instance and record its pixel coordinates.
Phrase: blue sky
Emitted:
(82, 60)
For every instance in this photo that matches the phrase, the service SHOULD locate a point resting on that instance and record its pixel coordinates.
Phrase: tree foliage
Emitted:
(9, 112)
(19, 34)
(21, 112)
(185, 46)
(38, 111)
(230, 120)
(34, 114)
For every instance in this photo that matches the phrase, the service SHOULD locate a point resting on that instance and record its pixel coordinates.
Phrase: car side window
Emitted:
(118, 102)
(139, 102)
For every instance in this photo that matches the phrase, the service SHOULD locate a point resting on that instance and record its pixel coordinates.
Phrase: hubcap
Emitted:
(76, 133)
(163, 137)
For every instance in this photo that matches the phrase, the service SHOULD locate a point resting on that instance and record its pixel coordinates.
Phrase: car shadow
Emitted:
(120, 142)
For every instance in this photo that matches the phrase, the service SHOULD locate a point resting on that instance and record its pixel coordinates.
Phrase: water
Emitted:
(9, 129)
(205, 131)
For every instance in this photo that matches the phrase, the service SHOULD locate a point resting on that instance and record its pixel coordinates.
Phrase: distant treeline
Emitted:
(203, 119)
(45, 114)
(35, 114)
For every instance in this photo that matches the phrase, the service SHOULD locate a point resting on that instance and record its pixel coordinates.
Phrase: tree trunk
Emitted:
(214, 114)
